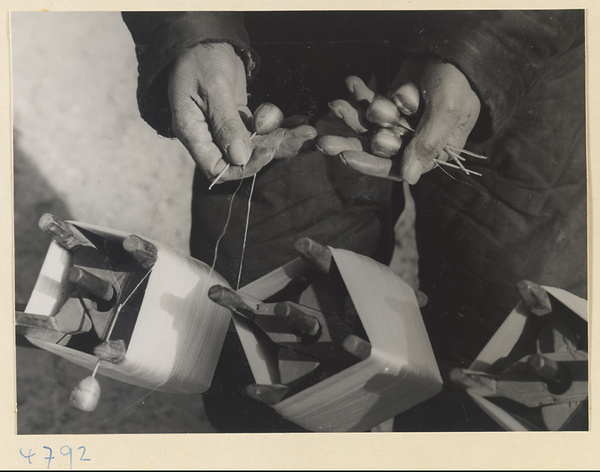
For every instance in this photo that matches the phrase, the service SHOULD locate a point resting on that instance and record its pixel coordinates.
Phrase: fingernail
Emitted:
(238, 152)
(413, 171)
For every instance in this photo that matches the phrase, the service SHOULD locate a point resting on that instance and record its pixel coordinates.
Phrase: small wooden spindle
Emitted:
(144, 252)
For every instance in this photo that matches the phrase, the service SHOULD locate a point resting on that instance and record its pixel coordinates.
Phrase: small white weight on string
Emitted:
(86, 394)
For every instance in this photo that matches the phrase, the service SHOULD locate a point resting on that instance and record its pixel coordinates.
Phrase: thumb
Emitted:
(428, 143)
(228, 129)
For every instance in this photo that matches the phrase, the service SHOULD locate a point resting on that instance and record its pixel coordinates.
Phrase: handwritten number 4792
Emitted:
(64, 451)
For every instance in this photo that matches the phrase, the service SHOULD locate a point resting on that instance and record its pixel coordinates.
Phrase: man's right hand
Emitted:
(207, 94)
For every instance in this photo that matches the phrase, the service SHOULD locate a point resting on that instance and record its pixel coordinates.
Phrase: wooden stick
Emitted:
(445, 163)
(535, 297)
(144, 252)
(92, 284)
(231, 300)
(545, 367)
(468, 153)
(301, 323)
(113, 351)
(456, 159)
(357, 346)
(26, 321)
(64, 233)
(315, 254)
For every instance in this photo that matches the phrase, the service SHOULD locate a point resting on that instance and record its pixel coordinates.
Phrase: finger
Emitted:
(349, 115)
(333, 145)
(190, 127)
(228, 128)
(359, 90)
(432, 134)
(371, 165)
(407, 98)
(287, 142)
(260, 158)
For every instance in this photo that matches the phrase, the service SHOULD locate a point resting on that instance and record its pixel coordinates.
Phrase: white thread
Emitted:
(246, 231)
(118, 311)
(214, 263)
(219, 176)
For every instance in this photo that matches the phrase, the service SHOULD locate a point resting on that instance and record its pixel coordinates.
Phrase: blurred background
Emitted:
(82, 152)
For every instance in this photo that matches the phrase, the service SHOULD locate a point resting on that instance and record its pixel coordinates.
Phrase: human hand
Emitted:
(210, 116)
(207, 93)
(443, 103)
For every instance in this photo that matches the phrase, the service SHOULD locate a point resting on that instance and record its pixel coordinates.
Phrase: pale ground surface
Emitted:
(82, 152)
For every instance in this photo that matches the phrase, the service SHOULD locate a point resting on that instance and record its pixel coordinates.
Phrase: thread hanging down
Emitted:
(245, 232)
(222, 235)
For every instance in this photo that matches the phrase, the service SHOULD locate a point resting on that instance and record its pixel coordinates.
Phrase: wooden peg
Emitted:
(301, 323)
(551, 371)
(229, 299)
(357, 346)
(144, 252)
(315, 254)
(95, 286)
(535, 297)
(35, 321)
(64, 233)
(422, 299)
(269, 394)
(113, 351)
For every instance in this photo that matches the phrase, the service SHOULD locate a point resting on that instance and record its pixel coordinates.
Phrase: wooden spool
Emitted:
(397, 373)
(178, 332)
